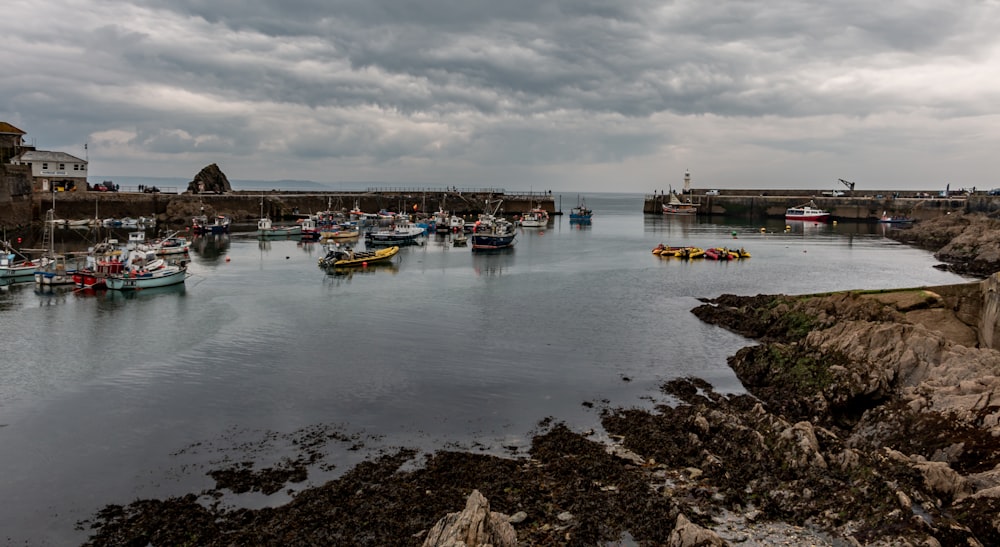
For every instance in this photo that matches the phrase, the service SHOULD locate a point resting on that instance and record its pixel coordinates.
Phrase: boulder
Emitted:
(689, 534)
(475, 526)
(210, 180)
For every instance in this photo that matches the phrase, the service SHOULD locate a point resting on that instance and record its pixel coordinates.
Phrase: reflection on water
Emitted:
(210, 247)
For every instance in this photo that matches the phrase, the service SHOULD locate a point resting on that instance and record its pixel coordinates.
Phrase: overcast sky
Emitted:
(590, 95)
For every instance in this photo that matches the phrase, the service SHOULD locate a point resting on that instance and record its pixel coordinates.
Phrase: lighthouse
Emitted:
(687, 182)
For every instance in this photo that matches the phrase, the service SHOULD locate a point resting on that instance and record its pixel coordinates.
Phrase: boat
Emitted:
(219, 224)
(267, 230)
(145, 279)
(892, 219)
(310, 229)
(717, 253)
(104, 259)
(580, 213)
(666, 251)
(491, 231)
(170, 245)
(674, 206)
(343, 232)
(442, 221)
(535, 218)
(400, 232)
(460, 240)
(807, 211)
(14, 265)
(52, 269)
(348, 258)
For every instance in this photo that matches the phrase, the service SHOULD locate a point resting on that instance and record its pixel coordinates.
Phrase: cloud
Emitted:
(780, 93)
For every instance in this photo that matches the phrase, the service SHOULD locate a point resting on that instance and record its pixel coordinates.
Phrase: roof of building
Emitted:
(45, 155)
(8, 128)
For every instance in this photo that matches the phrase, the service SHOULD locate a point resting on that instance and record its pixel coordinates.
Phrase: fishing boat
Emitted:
(52, 269)
(15, 265)
(460, 239)
(580, 213)
(400, 232)
(348, 258)
(310, 229)
(267, 230)
(171, 245)
(104, 259)
(146, 279)
(886, 218)
(535, 218)
(217, 225)
(674, 206)
(806, 212)
(492, 231)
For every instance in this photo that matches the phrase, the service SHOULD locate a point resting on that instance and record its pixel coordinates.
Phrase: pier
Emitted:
(857, 206)
(277, 204)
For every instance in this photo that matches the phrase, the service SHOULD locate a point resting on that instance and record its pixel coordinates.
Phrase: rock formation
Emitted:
(210, 180)
(969, 243)
(475, 526)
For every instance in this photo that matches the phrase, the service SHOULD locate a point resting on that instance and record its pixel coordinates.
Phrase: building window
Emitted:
(76, 167)
(45, 166)
(62, 166)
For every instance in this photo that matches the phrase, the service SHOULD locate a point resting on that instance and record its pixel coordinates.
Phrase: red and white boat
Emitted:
(806, 212)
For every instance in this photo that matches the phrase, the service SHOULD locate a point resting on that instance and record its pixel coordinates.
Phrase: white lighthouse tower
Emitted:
(687, 182)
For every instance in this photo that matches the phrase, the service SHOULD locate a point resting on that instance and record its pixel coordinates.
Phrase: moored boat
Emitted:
(580, 213)
(886, 218)
(400, 232)
(491, 231)
(347, 257)
(267, 230)
(806, 212)
(535, 218)
(674, 206)
(217, 225)
(144, 279)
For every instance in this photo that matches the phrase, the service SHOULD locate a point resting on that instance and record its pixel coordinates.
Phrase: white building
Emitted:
(54, 171)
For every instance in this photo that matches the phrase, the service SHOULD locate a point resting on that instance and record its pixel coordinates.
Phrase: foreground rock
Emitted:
(871, 419)
(475, 526)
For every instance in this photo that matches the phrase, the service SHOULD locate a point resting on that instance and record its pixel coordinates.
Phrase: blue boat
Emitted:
(580, 213)
(491, 231)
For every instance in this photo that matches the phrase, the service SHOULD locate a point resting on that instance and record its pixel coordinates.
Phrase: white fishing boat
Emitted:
(145, 279)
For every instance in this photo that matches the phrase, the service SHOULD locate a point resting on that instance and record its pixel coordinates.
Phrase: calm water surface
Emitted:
(107, 398)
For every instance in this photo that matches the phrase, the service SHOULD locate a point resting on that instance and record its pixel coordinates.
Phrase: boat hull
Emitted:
(147, 281)
(487, 242)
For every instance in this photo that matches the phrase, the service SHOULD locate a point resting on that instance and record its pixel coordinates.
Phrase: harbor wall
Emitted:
(177, 209)
(867, 207)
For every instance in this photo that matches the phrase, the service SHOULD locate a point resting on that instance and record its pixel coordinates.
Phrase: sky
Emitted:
(561, 95)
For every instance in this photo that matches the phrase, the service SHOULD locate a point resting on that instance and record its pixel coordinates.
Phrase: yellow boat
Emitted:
(345, 258)
(340, 234)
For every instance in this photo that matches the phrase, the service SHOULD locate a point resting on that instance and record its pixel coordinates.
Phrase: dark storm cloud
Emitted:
(536, 83)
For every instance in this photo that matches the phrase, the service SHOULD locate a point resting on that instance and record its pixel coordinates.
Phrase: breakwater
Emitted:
(248, 205)
(868, 206)
(178, 209)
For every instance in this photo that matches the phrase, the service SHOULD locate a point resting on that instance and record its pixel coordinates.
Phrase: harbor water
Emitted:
(109, 397)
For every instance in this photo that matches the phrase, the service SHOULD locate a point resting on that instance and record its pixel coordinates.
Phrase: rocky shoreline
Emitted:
(871, 419)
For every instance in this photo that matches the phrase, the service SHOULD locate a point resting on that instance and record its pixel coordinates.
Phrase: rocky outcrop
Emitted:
(475, 526)
(210, 180)
(890, 393)
(968, 243)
